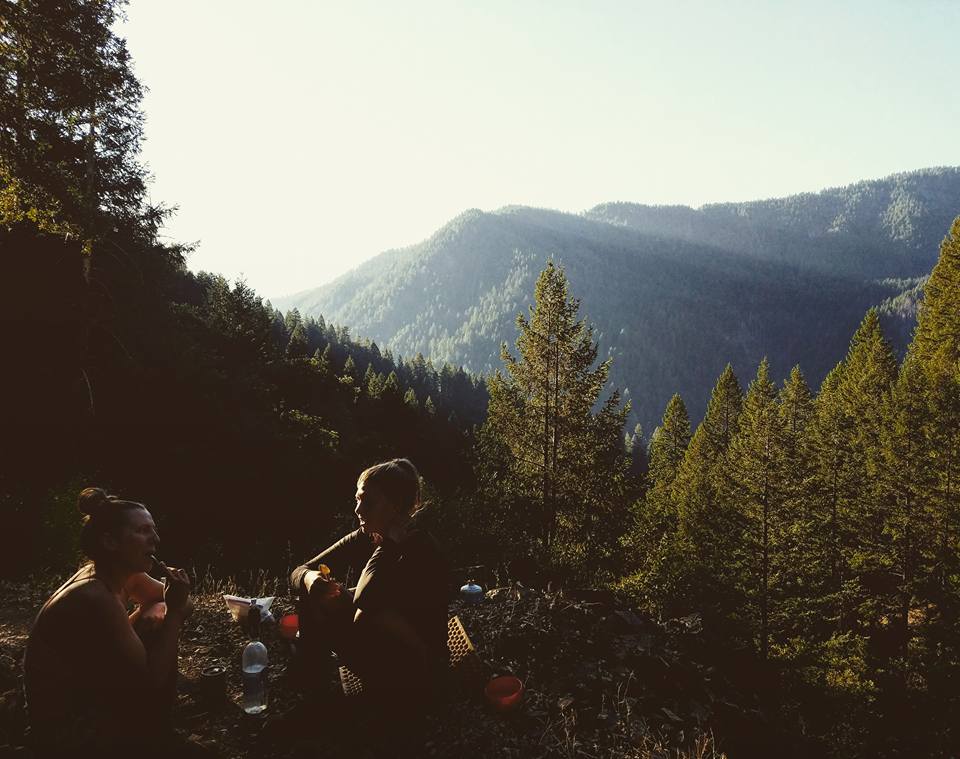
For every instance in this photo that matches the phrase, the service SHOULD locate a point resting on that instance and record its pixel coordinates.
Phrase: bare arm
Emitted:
(127, 660)
(143, 589)
(148, 594)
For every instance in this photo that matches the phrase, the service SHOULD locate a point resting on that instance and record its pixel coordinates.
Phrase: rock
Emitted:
(630, 620)
(671, 714)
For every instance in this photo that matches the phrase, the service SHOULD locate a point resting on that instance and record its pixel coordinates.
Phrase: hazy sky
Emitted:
(301, 138)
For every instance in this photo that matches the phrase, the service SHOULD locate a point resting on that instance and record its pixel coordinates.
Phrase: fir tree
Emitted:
(754, 486)
(846, 434)
(349, 367)
(564, 462)
(655, 516)
(707, 530)
(297, 345)
(936, 349)
(802, 536)
(668, 444)
(391, 387)
(907, 554)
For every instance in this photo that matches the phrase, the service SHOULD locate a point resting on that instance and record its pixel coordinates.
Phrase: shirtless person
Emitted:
(95, 684)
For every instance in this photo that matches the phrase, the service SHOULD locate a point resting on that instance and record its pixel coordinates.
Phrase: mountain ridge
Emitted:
(674, 292)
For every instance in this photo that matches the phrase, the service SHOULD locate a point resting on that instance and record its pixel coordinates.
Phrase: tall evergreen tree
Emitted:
(668, 444)
(707, 529)
(564, 460)
(70, 120)
(654, 526)
(297, 345)
(846, 433)
(754, 486)
(803, 534)
(936, 349)
(906, 553)
(350, 368)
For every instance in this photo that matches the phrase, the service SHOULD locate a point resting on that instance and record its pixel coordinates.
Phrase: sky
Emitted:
(300, 138)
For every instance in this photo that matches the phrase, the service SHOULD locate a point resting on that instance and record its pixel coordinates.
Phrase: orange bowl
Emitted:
(289, 626)
(504, 692)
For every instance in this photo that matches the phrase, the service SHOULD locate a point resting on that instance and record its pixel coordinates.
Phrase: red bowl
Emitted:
(504, 692)
(289, 626)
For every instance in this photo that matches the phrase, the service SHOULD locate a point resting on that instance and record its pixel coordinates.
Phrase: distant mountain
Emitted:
(674, 292)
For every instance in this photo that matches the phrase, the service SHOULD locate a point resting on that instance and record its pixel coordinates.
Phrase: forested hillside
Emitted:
(778, 568)
(125, 370)
(888, 227)
(675, 292)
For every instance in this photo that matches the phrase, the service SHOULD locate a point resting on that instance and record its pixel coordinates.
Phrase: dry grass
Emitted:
(548, 724)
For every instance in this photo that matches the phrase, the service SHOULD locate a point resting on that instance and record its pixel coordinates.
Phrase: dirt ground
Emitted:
(599, 681)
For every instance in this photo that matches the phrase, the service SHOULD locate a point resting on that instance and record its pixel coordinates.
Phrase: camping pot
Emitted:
(213, 685)
(471, 593)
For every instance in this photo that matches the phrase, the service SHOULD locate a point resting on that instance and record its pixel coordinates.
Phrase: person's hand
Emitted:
(150, 617)
(176, 592)
(324, 593)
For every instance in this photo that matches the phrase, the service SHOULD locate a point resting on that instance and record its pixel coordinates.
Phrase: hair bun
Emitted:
(92, 501)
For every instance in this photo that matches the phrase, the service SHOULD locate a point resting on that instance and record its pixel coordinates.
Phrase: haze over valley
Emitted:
(675, 293)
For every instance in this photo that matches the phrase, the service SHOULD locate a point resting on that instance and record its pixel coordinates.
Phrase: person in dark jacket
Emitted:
(391, 629)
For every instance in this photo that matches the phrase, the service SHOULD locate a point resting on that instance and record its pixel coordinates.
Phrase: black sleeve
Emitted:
(351, 551)
(373, 586)
(415, 574)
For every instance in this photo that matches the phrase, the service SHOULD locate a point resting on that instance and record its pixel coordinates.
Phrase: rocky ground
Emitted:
(600, 680)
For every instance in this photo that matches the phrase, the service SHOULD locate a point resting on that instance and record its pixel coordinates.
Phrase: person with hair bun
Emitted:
(98, 680)
(391, 629)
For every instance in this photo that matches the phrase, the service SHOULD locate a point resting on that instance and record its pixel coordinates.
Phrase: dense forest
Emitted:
(183, 390)
(811, 527)
(675, 293)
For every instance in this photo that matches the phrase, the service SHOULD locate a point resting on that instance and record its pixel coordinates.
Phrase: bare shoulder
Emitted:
(86, 596)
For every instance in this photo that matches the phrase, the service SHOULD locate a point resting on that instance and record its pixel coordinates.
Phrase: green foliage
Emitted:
(178, 389)
(675, 293)
(707, 529)
(668, 443)
(551, 450)
(825, 533)
(70, 119)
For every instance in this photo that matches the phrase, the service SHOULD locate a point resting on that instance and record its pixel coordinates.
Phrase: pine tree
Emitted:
(936, 349)
(391, 387)
(922, 451)
(669, 443)
(565, 464)
(293, 320)
(297, 345)
(373, 383)
(802, 536)
(908, 552)
(326, 359)
(754, 485)
(410, 399)
(846, 434)
(70, 120)
(655, 516)
(707, 529)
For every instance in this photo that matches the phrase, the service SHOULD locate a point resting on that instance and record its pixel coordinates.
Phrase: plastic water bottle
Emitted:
(254, 664)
